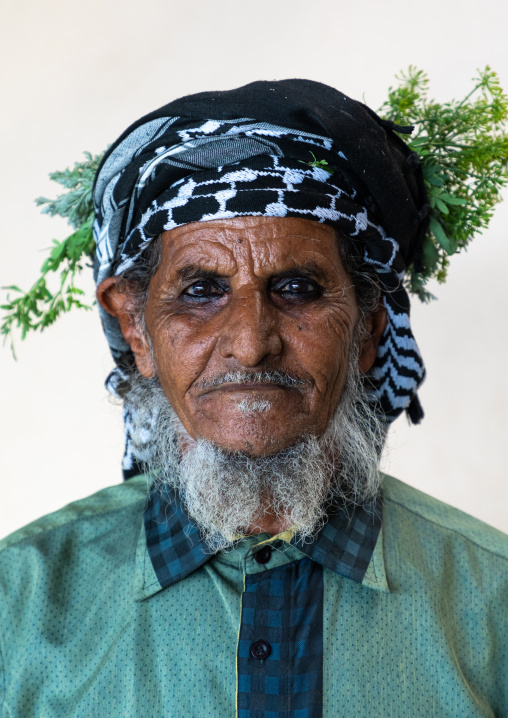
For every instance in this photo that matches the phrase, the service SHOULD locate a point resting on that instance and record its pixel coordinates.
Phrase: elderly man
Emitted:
(250, 251)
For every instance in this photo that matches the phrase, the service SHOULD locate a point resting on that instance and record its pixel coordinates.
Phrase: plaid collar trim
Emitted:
(349, 544)
(346, 542)
(172, 538)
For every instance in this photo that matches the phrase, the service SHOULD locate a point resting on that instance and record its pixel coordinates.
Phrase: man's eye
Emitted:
(204, 289)
(298, 288)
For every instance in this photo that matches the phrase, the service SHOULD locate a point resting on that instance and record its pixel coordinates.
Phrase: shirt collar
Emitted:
(170, 547)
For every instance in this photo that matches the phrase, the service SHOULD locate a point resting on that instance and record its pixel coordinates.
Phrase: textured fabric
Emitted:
(86, 629)
(224, 155)
(382, 165)
(173, 541)
(282, 612)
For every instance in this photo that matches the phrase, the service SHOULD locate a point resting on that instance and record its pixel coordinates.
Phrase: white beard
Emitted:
(225, 492)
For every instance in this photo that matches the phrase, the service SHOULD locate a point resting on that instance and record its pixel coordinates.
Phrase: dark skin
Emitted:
(249, 294)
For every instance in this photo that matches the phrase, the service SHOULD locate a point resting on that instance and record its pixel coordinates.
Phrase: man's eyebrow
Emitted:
(195, 271)
(309, 269)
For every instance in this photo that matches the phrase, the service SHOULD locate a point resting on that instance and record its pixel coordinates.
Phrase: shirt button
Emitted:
(260, 650)
(264, 554)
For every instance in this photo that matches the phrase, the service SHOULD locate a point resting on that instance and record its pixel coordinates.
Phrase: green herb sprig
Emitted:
(463, 149)
(40, 306)
(322, 164)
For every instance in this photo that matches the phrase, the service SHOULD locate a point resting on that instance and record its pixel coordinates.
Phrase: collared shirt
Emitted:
(104, 612)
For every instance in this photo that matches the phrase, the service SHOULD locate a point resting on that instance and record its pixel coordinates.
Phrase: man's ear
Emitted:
(375, 324)
(120, 305)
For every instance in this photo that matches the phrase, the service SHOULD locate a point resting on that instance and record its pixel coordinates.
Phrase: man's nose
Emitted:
(251, 332)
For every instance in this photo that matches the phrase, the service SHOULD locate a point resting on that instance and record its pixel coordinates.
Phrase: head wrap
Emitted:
(249, 151)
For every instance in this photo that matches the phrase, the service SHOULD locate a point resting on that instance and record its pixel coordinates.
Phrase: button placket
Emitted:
(273, 650)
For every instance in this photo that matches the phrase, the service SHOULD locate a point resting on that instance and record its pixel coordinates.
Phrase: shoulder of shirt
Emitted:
(114, 500)
(443, 517)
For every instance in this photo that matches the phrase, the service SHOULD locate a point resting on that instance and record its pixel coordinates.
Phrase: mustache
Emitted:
(278, 378)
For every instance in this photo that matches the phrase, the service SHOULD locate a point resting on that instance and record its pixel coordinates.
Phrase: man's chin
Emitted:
(253, 438)
(250, 448)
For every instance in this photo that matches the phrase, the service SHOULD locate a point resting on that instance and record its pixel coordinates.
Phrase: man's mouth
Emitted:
(251, 382)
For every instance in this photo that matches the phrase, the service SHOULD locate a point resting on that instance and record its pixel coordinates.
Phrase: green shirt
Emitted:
(87, 630)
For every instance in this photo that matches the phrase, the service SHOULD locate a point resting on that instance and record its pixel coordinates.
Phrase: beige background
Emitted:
(76, 74)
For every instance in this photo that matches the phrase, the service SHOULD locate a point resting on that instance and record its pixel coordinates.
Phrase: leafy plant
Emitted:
(463, 150)
(40, 306)
(322, 164)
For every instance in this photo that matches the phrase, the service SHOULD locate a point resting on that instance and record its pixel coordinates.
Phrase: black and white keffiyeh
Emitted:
(250, 152)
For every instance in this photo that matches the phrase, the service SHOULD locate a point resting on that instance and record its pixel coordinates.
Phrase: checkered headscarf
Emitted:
(249, 152)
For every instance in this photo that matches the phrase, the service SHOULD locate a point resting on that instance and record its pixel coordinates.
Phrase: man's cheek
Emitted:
(322, 354)
(181, 358)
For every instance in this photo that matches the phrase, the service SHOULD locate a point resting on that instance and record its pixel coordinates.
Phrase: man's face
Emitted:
(251, 295)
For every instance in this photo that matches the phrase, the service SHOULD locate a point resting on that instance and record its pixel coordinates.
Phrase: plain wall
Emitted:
(76, 74)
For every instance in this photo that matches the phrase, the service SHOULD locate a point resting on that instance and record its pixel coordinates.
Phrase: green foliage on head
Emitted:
(321, 164)
(40, 307)
(463, 150)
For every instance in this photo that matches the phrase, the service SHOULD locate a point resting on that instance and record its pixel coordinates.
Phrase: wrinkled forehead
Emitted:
(263, 244)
